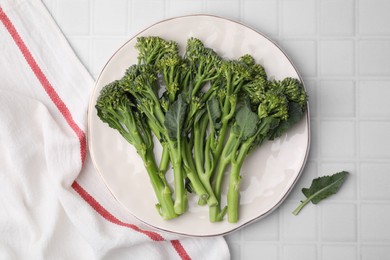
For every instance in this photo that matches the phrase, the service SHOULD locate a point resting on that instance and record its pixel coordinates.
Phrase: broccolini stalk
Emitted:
(204, 66)
(234, 75)
(276, 113)
(117, 108)
(176, 76)
(200, 65)
(247, 128)
(141, 82)
(151, 50)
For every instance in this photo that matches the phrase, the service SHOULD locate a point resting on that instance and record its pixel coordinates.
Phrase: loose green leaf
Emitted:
(246, 122)
(174, 118)
(321, 188)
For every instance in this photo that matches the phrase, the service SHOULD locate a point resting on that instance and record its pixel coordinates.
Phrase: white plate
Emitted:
(268, 174)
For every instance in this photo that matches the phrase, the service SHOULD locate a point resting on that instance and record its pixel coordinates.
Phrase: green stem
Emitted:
(202, 158)
(233, 193)
(199, 137)
(215, 212)
(165, 204)
(181, 200)
(228, 112)
(233, 197)
(223, 163)
(164, 161)
(300, 207)
(192, 175)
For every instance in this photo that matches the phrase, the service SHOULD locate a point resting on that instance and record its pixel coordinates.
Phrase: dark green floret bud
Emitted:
(273, 105)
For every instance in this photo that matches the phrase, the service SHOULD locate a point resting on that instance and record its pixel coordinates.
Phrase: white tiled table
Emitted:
(342, 49)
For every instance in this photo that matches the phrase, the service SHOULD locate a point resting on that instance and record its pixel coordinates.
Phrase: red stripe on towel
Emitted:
(180, 250)
(45, 83)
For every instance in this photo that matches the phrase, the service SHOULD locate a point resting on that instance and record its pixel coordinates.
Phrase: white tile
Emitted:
(337, 17)
(338, 139)
(184, 7)
(110, 17)
(373, 17)
(303, 53)
(235, 251)
(314, 138)
(339, 222)
(264, 229)
(299, 17)
(337, 98)
(79, 11)
(375, 222)
(339, 252)
(234, 236)
(374, 57)
(349, 189)
(145, 13)
(311, 89)
(102, 50)
(262, 15)
(374, 139)
(302, 227)
(375, 252)
(374, 98)
(225, 8)
(299, 252)
(259, 251)
(337, 58)
(375, 181)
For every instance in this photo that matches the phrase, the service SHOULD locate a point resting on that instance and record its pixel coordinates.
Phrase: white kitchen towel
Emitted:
(53, 205)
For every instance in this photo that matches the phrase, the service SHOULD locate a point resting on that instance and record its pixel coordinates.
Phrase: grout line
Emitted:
(90, 39)
(241, 7)
(279, 40)
(130, 11)
(351, 118)
(319, 114)
(165, 8)
(357, 132)
(280, 234)
(128, 16)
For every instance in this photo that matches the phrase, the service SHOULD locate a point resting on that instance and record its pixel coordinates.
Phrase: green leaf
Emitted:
(321, 188)
(325, 186)
(174, 118)
(246, 123)
(214, 112)
(295, 114)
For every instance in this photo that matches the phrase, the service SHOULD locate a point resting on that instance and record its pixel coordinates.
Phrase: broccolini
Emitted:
(207, 112)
